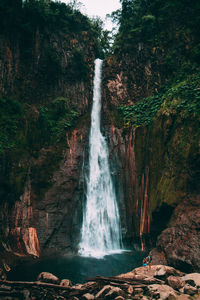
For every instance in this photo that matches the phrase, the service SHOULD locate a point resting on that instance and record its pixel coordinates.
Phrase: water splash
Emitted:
(101, 234)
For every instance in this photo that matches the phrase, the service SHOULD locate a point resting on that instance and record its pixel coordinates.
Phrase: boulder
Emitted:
(90, 284)
(65, 282)
(103, 291)
(180, 242)
(78, 286)
(158, 274)
(119, 298)
(195, 277)
(113, 293)
(130, 289)
(190, 290)
(48, 277)
(184, 297)
(175, 282)
(158, 257)
(88, 297)
(163, 272)
(161, 292)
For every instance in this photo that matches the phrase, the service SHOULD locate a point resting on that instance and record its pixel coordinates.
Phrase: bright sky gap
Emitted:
(99, 8)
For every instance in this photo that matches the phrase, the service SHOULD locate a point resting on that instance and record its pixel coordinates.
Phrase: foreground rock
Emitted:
(48, 277)
(160, 282)
(183, 230)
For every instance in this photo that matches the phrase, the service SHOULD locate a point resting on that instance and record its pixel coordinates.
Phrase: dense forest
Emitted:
(166, 33)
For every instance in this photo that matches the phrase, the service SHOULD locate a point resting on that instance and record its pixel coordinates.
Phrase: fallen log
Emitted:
(122, 280)
(117, 280)
(34, 283)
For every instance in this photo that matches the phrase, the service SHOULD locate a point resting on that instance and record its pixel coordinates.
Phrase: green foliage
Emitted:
(24, 126)
(50, 66)
(102, 36)
(142, 112)
(11, 113)
(27, 131)
(77, 68)
(171, 26)
(27, 17)
(56, 119)
(181, 99)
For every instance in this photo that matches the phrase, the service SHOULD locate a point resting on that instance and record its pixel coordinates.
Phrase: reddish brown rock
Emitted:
(181, 241)
(88, 297)
(78, 286)
(119, 298)
(159, 271)
(162, 292)
(158, 257)
(103, 291)
(175, 282)
(113, 293)
(184, 297)
(194, 277)
(65, 282)
(48, 277)
(190, 290)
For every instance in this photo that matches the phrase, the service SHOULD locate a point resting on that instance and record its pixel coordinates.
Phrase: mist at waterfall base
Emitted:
(101, 251)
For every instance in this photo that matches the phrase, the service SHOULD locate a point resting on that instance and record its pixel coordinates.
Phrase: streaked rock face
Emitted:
(53, 222)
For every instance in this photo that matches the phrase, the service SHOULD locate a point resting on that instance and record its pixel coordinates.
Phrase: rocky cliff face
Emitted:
(48, 75)
(155, 169)
(50, 69)
(38, 223)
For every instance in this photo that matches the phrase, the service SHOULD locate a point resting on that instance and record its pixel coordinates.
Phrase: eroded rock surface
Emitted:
(180, 242)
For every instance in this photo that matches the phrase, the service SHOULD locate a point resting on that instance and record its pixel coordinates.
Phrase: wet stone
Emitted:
(88, 297)
(65, 282)
(48, 277)
(190, 290)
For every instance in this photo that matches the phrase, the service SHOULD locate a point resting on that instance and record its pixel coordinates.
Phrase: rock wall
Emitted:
(41, 187)
(155, 169)
(47, 72)
(49, 222)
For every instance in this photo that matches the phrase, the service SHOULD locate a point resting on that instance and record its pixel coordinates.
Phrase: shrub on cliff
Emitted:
(182, 99)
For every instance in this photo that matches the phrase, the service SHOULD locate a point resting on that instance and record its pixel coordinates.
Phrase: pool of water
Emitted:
(78, 268)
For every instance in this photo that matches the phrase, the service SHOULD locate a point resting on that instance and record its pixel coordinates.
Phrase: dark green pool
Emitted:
(78, 268)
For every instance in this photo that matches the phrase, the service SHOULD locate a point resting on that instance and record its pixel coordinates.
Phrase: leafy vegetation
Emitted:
(10, 122)
(142, 113)
(28, 16)
(34, 127)
(56, 119)
(168, 27)
(182, 99)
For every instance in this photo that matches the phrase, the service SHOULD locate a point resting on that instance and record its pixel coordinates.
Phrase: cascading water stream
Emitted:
(101, 234)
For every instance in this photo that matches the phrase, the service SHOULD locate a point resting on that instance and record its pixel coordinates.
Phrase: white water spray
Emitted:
(101, 234)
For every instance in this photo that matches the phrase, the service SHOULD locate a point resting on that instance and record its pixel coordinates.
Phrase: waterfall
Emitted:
(101, 234)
